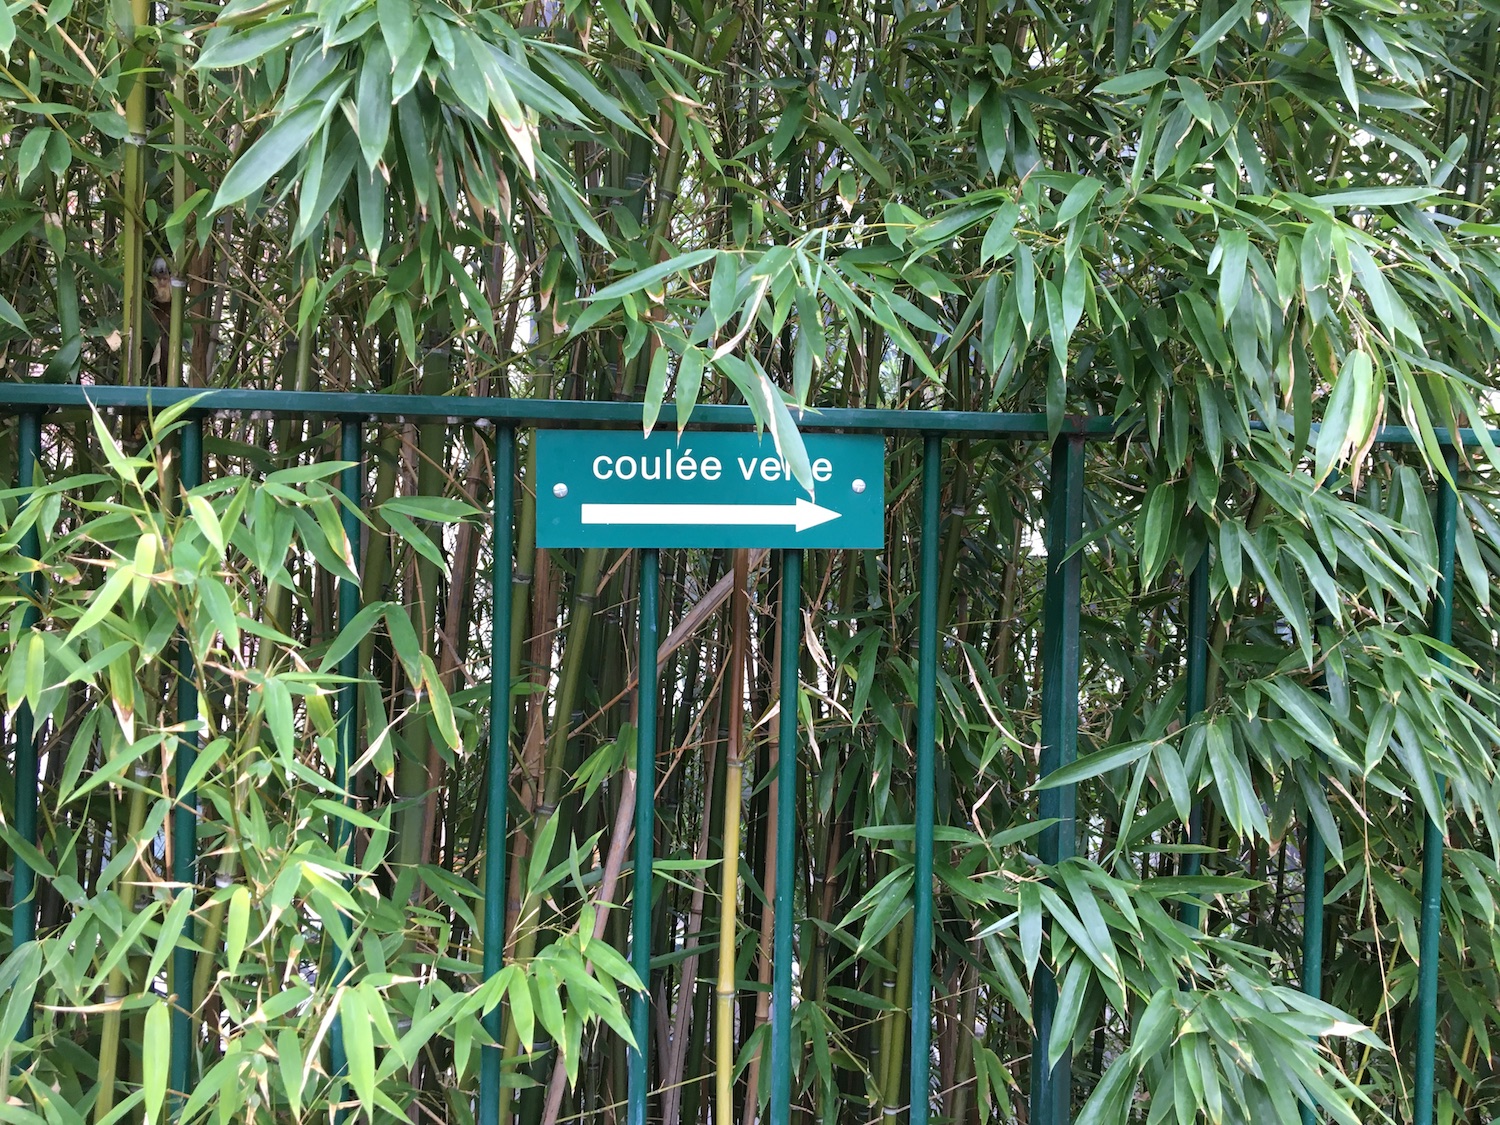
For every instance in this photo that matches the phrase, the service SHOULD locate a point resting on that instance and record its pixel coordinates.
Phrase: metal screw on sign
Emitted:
(559, 490)
(858, 485)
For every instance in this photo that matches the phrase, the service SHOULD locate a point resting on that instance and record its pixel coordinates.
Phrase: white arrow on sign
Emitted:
(801, 515)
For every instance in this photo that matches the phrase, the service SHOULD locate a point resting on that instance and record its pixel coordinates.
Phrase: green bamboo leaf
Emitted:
(1025, 286)
(1222, 26)
(1092, 918)
(789, 444)
(1348, 403)
(689, 383)
(1075, 287)
(1469, 557)
(1157, 531)
(1079, 196)
(397, 27)
(1102, 957)
(656, 387)
(275, 148)
(1293, 609)
(237, 929)
(9, 314)
(277, 701)
(171, 933)
(1132, 82)
(442, 706)
(1231, 254)
(240, 48)
(1338, 51)
(414, 537)
(29, 154)
(1069, 1010)
(439, 509)
(359, 1046)
(156, 1052)
(19, 976)
(354, 631)
(652, 276)
(103, 601)
(1093, 765)
(1237, 795)
(289, 1063)
(546, 991)
(1377, 196)
(609, 962)
(373, 99)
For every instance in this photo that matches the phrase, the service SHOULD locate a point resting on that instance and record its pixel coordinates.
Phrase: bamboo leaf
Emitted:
(275, 148)
(156, 1050)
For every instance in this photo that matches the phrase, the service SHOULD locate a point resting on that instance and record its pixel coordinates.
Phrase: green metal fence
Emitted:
(1050, 1089)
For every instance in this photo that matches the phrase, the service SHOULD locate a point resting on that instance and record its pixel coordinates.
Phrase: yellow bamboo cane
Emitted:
(734, 780)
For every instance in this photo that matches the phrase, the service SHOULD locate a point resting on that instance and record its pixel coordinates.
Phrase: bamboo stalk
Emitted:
(734, 784)
(416, 767)
(675, 1062)
(118, 984)
(770, 874)
(133, 192)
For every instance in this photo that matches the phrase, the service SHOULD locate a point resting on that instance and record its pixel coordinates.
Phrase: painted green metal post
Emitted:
(497, 791)
(23, 880)
(1315, 890)
(786, 828)
(927, 626)
(645, 832)
(351, 483)
(1051, 1087)
(1429, 939)
(185, 811)
(1197, 696)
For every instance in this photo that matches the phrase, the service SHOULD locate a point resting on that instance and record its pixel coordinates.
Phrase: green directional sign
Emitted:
(617, 488)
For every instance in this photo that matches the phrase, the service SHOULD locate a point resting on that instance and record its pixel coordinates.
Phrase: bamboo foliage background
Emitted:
(1219, 225)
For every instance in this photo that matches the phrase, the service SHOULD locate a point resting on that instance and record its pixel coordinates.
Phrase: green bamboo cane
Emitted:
(414, 768)
(118, 983)
(133, 189)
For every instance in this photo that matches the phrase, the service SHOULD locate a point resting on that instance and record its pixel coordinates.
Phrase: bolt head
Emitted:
(559, 490)
(859, 485)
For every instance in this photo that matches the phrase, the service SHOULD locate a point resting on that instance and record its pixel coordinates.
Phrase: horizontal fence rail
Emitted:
(568, 412)
(1051, 1087)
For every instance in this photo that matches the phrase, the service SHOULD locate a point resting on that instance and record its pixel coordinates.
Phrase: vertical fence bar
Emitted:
(786, 828)
(497, 791)
(351, 483)
(1197, 697)
(1429, 938)
(645, 831)
(185, 812)
(23, 879)
(927, 625)
(1051, 1086)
